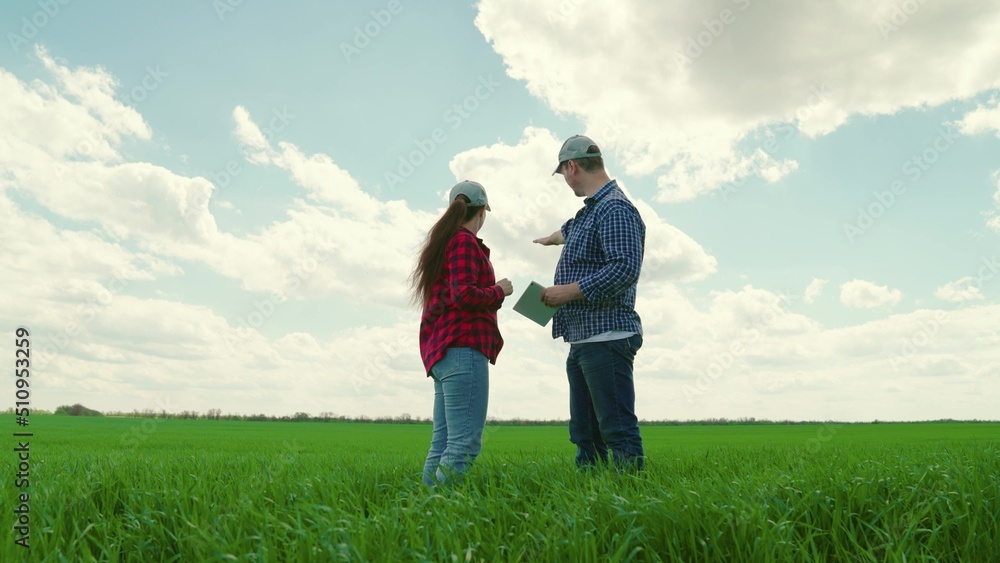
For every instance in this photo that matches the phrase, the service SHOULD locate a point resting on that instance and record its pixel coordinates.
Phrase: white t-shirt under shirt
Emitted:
(606, 336)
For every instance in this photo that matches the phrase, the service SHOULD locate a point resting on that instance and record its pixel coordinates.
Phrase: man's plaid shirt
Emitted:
(604, 249)
(462, 312)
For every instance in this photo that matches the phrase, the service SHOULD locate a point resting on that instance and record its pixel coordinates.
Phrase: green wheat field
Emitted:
(133, 489)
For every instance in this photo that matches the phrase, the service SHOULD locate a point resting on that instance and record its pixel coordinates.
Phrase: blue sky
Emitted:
(244, 136)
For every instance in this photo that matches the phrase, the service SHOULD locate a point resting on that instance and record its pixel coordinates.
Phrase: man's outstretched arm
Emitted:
(551, 240)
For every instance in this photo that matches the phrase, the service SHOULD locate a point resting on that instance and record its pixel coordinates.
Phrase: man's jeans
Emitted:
(461, 393)
(602, 403)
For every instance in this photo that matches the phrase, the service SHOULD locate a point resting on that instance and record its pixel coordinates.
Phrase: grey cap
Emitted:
(472, 190)
(575, 147)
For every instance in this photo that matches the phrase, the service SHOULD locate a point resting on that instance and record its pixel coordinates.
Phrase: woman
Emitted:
(454, 281)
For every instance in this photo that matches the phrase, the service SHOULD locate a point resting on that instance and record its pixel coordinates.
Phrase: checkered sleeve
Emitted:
(621, 237)
(464, 271)
(565, 229)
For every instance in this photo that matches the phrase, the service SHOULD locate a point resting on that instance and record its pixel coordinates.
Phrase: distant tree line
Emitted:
(77, 410)
(406, 418)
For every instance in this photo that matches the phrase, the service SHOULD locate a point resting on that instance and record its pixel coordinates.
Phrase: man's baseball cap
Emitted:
(472, 190)
(576, 147)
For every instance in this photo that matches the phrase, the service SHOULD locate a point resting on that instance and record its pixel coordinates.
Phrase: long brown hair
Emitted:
(431, 259)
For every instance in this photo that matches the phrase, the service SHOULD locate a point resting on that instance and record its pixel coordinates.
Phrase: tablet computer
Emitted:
(530, 305)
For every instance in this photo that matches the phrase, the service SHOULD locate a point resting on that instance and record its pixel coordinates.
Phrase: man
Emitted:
(595, 282)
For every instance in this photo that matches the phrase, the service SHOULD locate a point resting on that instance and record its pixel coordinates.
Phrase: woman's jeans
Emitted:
(602, 403)
(461, 392)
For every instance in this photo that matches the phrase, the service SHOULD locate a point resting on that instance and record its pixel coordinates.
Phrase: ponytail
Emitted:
(431, 260)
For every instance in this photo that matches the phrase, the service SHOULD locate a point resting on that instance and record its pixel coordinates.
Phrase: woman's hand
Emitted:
(506, 286)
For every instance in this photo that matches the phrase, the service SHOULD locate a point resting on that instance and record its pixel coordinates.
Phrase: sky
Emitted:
(217, 205)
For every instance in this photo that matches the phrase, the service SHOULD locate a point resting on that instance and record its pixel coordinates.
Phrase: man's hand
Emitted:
(506, 286)
(561, 294)
(553, 239)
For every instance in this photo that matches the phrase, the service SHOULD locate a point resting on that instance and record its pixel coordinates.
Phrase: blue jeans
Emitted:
(602, 403)
(461, 393)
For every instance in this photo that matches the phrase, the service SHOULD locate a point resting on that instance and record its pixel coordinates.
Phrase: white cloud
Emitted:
(982, 120)
(939, 366)
(684, 342)
(993, 217)
(341, 240)
(78, 117)
(745, 353)
(959, 291)
(854, 369)
(994, 223)
(867, 295)
(687, 89)
(109, 224)
(813, 290)
(996, 194)
(61, 149)
(528, 202)
(130, 220)
(249, 135)
(74, 254)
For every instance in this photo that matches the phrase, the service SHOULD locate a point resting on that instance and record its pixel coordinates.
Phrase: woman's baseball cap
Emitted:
(472, 190)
